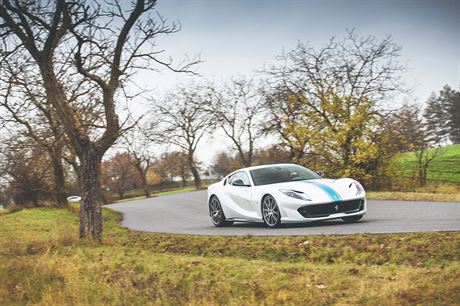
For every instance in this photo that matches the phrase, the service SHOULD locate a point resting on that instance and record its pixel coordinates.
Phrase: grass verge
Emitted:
(157, 194)
(42, 262)
(445, 168)
(413, 196)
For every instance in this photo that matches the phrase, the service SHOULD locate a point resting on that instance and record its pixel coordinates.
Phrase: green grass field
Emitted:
(445, 168)
(42, 262)
(157, 194)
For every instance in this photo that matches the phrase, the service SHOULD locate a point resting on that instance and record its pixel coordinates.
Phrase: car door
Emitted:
(239, 192)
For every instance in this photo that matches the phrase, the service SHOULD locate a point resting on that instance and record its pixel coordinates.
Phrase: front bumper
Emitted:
(323, 211)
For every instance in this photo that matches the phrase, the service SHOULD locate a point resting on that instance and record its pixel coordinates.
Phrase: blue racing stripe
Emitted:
(335, 197)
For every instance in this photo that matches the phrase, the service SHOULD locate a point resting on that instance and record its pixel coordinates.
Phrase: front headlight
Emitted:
(359, 188)
(295, 194)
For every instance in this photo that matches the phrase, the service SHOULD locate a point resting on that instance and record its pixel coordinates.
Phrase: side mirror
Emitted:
(320, 173)
(239, 183)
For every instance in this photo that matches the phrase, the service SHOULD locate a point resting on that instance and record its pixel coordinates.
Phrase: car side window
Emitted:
(240, 176)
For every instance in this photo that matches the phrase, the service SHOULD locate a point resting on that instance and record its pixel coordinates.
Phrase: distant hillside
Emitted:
(445, 168)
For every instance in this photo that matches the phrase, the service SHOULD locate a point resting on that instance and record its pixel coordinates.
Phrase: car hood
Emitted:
(322, 190)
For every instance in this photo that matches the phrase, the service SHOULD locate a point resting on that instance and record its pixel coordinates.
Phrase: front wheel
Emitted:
(270, 212)
(352, 219)
(216, 213)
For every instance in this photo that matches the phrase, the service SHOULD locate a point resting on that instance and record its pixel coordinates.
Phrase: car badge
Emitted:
(336, 207)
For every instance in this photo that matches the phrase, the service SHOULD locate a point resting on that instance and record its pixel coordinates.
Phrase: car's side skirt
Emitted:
(244, 220)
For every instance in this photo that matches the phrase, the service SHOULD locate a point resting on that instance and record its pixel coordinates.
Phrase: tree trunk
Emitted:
(145, 186)
(195, 173)
(35, 200)
(244, 161)
(292, 153)
(423, 174)
(121, 194)
(102, 197)
(299, 155)
(183, 176)
(90, 208)
(419, 156)
(59, 180)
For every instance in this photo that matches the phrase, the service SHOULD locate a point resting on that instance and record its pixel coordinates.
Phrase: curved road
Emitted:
(187, 213)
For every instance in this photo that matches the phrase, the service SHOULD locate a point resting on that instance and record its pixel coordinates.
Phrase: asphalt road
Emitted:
(187, 213)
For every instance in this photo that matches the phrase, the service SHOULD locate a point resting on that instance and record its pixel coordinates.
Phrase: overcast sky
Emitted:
(238, 36)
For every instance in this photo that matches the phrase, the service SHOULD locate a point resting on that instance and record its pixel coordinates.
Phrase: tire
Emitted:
(216, 213)
(352, 219)
(270, 212)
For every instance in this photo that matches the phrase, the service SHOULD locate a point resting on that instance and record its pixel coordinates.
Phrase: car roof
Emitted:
(263, 166)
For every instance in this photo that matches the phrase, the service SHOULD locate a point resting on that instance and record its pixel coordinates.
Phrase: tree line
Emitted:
(69, 67)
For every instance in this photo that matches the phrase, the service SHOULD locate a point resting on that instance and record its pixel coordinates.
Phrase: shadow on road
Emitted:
(297, 225)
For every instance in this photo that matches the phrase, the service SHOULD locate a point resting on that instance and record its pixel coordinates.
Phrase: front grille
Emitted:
(324, 210)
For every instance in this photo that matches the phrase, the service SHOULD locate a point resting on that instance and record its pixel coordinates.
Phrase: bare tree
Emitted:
(22, 105)
(424, 157)
(355, 69)
(236, 109)
(182, 120)
(108, 43)
(26, 168)
(140, 152)
(25, 105)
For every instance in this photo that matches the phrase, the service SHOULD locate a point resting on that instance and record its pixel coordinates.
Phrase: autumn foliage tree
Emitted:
(224, 163)
(175, 164)
(119, 174)
(286, 120)
(337, 91)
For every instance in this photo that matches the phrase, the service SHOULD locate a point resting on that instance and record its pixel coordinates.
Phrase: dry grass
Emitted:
(126, 276)
(43, 263)
(413, 196)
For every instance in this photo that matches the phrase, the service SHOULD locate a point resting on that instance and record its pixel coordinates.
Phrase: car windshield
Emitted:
(281, 174)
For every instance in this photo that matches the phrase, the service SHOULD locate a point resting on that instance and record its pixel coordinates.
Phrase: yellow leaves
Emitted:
(364, 151)
(293, 100)
(152, 177)
(343, 133)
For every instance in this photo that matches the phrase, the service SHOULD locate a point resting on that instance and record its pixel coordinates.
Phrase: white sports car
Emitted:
(284, 193)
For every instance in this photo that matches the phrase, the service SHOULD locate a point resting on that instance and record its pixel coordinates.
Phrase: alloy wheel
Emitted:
(270, 212)
(215, 211)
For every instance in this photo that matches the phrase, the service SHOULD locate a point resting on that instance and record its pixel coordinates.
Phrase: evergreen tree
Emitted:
(453, 122)
(411, 131)
(436, 117)
(442, 116)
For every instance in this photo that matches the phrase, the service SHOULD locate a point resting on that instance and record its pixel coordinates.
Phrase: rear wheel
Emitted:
(216, 213)
(270, 212)
(352, 219)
